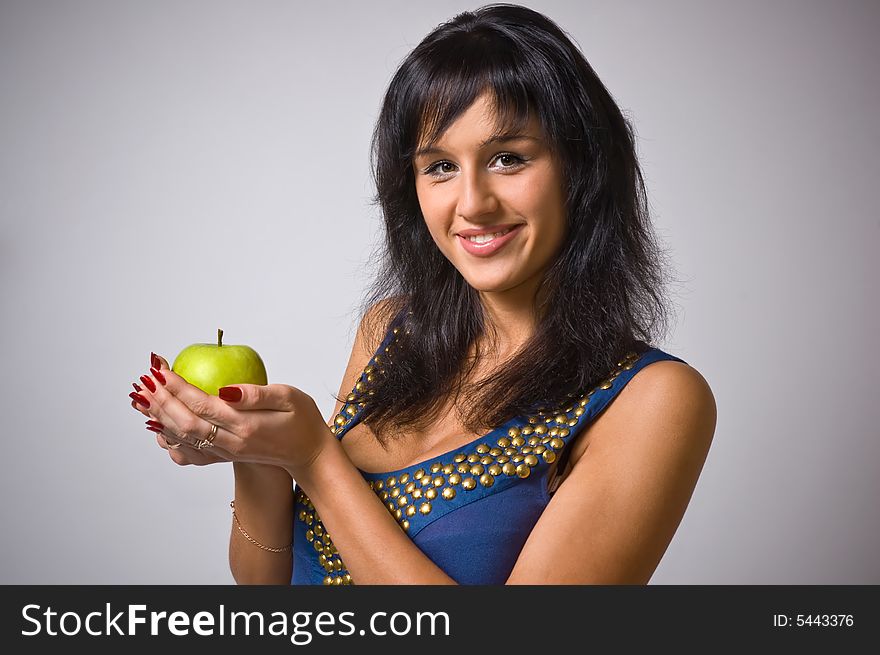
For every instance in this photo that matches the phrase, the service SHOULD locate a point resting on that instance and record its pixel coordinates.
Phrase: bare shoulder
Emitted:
(665, 397)
(374, 324)
(625, 496)
(370, 332)
(672, 382)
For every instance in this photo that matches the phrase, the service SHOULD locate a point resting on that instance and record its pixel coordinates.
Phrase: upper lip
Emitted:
(491, 229)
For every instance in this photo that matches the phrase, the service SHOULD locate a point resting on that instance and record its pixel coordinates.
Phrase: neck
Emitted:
(511, 317)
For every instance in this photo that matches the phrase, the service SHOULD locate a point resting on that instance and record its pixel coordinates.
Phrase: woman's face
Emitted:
(465, 189)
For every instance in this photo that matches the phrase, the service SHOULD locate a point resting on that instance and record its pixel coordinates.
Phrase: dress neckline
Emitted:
(461, 449)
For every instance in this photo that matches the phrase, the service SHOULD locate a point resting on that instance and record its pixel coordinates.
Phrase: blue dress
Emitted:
(470, 510)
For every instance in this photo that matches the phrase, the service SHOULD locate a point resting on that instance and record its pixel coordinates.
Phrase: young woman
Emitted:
(503, 418)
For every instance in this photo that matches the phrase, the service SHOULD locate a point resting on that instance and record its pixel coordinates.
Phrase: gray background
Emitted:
(168, 168)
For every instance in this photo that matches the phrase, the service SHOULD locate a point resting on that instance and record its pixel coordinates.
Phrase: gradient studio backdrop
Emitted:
(168, 168)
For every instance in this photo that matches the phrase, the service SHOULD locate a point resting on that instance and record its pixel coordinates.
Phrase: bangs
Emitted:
(449, 92)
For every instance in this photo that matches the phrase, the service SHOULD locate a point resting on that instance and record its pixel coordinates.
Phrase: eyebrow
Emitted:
(501, 138)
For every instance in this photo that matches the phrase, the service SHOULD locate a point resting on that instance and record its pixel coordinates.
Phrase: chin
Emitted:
(489, 286)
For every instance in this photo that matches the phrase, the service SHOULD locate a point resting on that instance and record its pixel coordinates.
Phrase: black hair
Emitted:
(602, 295)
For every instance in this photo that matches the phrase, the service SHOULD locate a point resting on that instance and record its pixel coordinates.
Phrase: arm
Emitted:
(272, 434)
(263, 495)
(613, 517)
(373, 546)
(264, 506)
(609, 522)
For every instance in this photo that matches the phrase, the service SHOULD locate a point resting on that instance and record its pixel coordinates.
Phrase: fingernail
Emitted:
(148, 383)
(153, 429)
(230, 394)
(155, 424)
(136, 386)
(156, 374)
(139, 399)
(154, 361)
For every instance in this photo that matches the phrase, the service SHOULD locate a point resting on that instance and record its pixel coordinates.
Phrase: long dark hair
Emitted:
(602, 295)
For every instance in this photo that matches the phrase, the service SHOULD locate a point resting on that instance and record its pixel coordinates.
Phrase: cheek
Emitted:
(437, 231)
(435, 218)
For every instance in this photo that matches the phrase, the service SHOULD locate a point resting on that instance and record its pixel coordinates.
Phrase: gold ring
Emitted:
(210, 437)
(172, 446)
(208, 441)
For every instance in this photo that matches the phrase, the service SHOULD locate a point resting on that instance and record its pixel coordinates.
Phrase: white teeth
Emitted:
(484, 238)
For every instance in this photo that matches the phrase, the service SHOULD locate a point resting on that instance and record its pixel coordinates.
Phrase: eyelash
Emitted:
(519, 161)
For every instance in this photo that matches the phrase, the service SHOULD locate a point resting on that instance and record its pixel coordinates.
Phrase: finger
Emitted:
(159, 362)
(277, 397)
(195, 433)
(167, 444)
(189, 414)
(138, 408)
(187, 455)
(138, 389)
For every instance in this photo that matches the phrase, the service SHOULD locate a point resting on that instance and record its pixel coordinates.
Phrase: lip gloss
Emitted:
(490, 247)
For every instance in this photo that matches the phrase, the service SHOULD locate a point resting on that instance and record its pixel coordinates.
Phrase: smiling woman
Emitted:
(503, 417)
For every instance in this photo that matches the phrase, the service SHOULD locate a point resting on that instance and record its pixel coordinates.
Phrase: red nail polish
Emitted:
(139, 399)
(148, 383)
(155, 424)
(154, 361)
(156, 374)
(152, 429)
(136, 386)
(230, 394)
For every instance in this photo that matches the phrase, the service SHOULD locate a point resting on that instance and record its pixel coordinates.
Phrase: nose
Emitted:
(475, 196)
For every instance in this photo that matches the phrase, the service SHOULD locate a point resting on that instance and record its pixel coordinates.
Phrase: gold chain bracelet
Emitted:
(251, 539)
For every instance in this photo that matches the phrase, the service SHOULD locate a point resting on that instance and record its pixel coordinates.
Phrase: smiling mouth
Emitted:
(486, 244)
(485, 238)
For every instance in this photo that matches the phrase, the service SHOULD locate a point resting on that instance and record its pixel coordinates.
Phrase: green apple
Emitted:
(210, 366)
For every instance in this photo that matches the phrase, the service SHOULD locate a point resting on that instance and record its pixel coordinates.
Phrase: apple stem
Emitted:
(219, 337)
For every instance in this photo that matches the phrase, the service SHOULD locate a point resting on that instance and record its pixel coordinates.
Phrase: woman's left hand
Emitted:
(273, 424)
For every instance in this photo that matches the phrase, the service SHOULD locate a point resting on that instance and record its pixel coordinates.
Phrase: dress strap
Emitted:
(352, 410)
(602, 395)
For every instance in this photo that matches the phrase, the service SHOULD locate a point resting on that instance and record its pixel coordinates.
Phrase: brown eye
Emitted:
(509, 160)
(432, 169)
